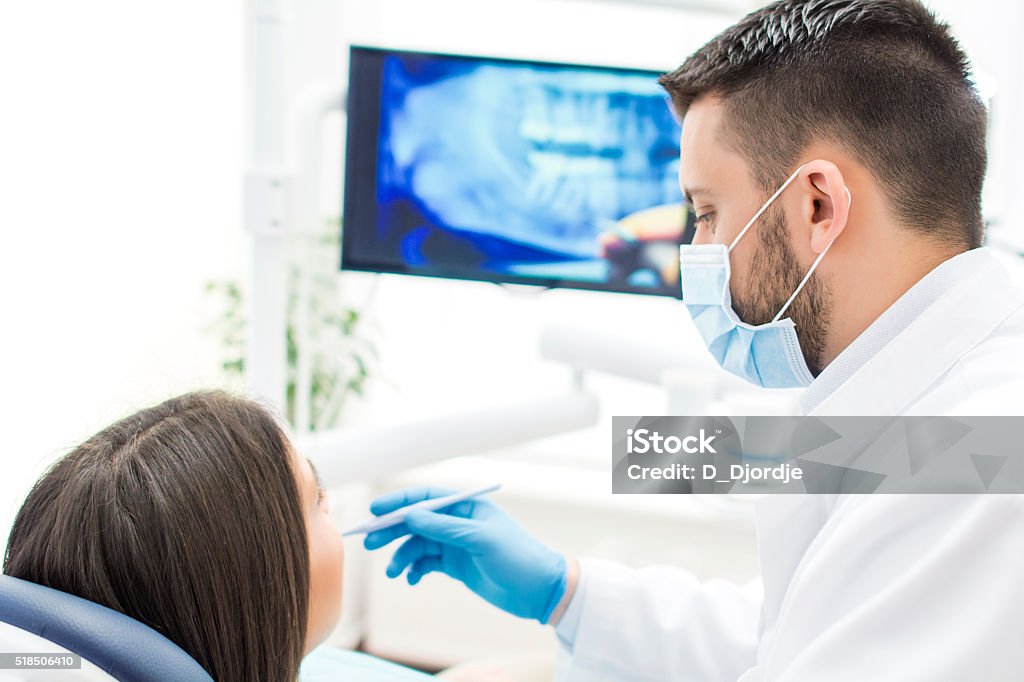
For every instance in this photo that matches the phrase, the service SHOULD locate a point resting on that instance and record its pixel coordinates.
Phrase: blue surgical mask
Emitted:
(768, 354)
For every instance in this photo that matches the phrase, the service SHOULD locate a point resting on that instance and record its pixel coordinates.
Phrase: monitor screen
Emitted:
(512, 171)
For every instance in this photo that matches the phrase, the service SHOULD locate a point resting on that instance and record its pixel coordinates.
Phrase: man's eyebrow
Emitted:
(316, 474)
(690, 191)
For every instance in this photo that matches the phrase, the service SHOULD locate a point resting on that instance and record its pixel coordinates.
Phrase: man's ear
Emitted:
(824, 202)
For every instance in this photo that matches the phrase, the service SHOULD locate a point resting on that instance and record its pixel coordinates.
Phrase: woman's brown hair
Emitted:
(185, 516)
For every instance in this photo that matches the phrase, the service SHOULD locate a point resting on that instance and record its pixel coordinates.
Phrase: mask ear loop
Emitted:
(764, 207)
(814, 265)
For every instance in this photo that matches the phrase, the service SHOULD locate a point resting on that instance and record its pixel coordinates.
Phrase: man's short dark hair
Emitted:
(884, 79)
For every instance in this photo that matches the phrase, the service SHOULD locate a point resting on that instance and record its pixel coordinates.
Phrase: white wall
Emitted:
(119, 176)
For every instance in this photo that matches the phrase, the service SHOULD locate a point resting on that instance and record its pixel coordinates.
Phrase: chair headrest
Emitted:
(125, 648)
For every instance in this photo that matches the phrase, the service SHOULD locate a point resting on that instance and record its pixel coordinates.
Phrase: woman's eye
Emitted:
(321, 497)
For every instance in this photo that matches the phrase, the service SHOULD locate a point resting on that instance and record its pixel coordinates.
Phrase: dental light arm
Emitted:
(586, 350)
(365, 453)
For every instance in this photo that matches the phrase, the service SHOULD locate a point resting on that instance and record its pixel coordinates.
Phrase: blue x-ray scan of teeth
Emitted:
(522, 171)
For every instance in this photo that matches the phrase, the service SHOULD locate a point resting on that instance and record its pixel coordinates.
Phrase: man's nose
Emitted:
(702, 235)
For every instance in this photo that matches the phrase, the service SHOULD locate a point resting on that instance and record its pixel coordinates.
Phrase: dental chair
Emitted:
(39, 620)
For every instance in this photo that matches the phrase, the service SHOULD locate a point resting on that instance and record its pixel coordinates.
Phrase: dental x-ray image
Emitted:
(511, 171)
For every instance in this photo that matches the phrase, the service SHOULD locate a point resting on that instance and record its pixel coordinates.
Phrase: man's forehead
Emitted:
(703, 114)
(705, 158)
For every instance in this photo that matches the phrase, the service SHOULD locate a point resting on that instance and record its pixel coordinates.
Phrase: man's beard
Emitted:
(774, 275)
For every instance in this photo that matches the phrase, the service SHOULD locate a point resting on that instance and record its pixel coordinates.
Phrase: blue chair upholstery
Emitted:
(125, 648)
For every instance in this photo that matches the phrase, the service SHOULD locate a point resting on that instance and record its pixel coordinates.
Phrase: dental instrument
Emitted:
(398, 516)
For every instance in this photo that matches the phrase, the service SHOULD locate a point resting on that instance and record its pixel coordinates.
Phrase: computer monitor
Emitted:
(512, 171)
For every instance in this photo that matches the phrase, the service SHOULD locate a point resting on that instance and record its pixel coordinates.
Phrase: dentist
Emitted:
(833, 152)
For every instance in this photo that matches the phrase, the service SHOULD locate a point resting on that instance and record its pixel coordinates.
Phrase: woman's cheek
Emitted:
(327, 556)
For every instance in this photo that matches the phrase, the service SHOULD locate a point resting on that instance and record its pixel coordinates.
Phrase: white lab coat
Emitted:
(888, 588)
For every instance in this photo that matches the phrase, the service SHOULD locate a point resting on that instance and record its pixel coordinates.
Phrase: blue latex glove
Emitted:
(478, 544)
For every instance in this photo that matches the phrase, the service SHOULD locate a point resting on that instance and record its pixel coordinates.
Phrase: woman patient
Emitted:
(199, 519)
